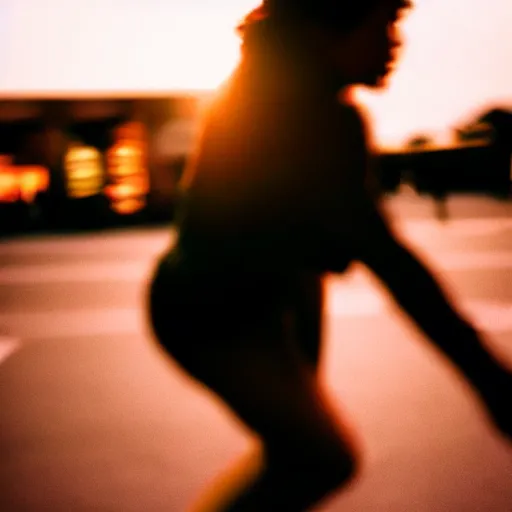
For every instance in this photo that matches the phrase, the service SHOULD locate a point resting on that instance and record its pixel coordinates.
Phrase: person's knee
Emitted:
(322, 471)
(337, 469)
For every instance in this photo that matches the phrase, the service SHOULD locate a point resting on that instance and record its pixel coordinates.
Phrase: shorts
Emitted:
(191, 309)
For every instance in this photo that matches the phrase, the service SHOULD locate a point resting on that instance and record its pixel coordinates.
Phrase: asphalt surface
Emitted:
(94, 418)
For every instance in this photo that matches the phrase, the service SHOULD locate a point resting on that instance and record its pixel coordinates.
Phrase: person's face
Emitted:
(368, 54)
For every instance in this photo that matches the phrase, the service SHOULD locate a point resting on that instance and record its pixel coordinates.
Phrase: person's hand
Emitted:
(497, 395)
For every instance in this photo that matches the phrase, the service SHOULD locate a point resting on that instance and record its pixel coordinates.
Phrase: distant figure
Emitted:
(280, 192)
(501, 122)
(176, 139)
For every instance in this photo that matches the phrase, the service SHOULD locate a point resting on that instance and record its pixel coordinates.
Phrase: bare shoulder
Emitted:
(346, 135)
(353, 121)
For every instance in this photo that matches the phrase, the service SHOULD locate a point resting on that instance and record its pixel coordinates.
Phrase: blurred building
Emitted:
(477, 158)
(92, 162)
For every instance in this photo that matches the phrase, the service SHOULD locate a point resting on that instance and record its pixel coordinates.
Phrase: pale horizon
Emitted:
(456, 61)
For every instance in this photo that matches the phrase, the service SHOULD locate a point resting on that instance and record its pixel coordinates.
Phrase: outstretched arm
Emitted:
(412, 285)
(410, 282)
(421, 296)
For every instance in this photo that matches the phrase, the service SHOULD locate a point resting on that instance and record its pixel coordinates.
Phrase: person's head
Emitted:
(357, 39)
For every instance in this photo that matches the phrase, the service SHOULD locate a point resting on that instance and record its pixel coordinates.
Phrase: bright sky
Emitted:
(458, 58)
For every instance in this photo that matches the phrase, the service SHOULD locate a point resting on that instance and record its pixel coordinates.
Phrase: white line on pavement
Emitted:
(490, 316)
(125, 243)
(138, 269)
(455, 227)
(8, 346)
(132, 271)
(471, 260)
(68, 324)
(153, 241)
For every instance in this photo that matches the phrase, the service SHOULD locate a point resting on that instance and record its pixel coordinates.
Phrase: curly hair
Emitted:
(339, 15)
(277, 42)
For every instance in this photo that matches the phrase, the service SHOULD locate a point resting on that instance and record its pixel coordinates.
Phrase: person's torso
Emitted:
(253, 195)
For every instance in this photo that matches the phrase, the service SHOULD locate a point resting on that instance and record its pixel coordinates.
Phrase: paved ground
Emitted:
(93, 418)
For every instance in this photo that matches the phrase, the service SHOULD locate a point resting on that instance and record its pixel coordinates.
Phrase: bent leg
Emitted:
(263, 376)
(305, 452)
(308, 311)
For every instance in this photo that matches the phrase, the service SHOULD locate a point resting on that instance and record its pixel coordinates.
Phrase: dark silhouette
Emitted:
(478, 161)
(279, 192)
(501, 122)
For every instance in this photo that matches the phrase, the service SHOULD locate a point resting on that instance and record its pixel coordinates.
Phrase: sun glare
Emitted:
(208, 59)
(161, 47)
(212, 47)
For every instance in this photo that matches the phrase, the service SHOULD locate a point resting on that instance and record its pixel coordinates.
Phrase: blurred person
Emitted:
(175, 141)
(171, 146)
(280, 192)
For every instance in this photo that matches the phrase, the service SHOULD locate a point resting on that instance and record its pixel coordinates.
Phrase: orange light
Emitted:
(127, 169)
(9, 187)
(84, 171)
(32, 180)
(128, 206)
(21, 182)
